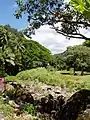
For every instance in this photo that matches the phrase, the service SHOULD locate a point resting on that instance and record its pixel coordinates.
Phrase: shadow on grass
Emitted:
(86, 73)
(77, 73)
(65, 73)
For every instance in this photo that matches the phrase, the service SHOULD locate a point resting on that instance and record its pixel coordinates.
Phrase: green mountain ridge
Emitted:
(17, 53)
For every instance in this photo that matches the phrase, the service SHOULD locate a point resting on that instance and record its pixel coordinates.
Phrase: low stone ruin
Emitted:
(56, 107)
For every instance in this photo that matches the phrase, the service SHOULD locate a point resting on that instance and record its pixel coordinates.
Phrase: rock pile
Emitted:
(16, 95)
(19, 94)
(54, 105)
(50, 105)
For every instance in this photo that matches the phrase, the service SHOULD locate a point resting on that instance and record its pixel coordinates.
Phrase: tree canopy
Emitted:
(78, 57)
(82, 6)
(61, 17)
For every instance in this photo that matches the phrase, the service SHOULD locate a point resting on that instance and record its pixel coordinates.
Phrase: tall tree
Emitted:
(60, 61)
(78, 57)
(10, 50)
(61, 17)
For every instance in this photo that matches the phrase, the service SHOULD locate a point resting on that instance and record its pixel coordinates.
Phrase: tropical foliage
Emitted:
(17, 53)
(76, 57)
(82, 6)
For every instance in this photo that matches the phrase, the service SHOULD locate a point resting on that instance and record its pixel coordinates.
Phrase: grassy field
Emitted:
(64, 79)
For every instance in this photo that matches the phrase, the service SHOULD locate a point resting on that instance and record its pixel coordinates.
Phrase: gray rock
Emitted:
(1, 116)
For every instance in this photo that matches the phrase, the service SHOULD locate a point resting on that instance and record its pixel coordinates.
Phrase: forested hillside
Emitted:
(18, 53)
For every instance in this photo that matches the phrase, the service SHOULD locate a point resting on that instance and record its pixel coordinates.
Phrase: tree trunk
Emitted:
(74, 71)
(82, 72)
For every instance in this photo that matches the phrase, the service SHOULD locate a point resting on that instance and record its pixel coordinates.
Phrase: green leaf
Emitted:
(82, 7)
(10, 61)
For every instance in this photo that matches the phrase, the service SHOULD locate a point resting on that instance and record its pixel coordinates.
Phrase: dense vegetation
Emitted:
(17, 53)
(76, 57)
(82, 7)
(57, 78)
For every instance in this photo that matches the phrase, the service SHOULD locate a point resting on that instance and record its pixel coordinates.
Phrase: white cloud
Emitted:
(66, 1)
(55, 42)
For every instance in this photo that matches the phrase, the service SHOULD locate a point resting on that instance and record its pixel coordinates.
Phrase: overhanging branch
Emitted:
(71, 35)
(74, 22)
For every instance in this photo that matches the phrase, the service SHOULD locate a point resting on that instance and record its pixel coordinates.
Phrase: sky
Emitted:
(55, 42)
(7, 10)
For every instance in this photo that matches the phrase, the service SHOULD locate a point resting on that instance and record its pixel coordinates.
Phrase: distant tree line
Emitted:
(76, 57)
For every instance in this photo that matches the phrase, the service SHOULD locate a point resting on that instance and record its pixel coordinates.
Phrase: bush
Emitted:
(28, 108)
(7, 110)
(51, 78)
(11, 78)
(50, 68)
(43, 75)
(39, 74)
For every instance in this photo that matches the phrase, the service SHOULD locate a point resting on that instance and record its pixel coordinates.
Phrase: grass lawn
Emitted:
(64, 79)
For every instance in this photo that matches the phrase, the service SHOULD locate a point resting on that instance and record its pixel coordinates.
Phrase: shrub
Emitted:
(11, 78)
(28, 108)
(6, 109)
(51, 78)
